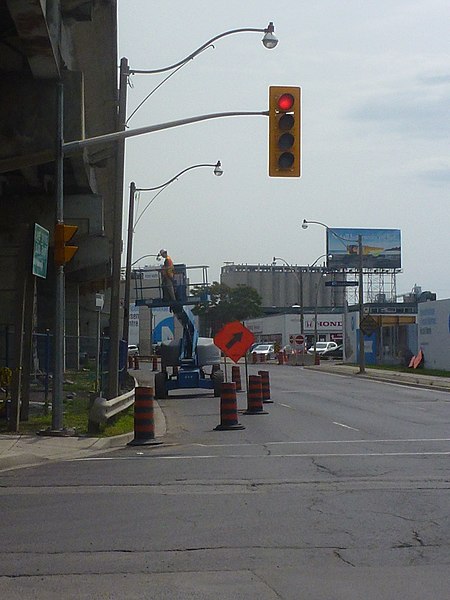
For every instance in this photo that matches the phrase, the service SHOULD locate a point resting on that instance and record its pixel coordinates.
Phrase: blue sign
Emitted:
(340, 283)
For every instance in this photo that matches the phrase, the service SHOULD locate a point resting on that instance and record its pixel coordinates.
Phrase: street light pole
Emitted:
(113, 361)
(300, 288)
(59, 346)
(126, 303)
(315, 320)
(362, 356)
(131, 227)
(269, 41)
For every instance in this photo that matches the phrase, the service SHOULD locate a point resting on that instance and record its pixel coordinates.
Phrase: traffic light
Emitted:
(64, 233)
(284, 131)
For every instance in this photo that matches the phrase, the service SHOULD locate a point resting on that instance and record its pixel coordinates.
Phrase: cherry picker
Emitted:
(194, 360)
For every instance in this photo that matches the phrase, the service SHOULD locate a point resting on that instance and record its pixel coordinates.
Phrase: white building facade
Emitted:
(434, 333)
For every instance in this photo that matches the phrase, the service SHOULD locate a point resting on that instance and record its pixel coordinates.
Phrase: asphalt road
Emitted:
(340, 491)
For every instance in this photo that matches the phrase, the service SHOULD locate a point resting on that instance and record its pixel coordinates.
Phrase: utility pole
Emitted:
(362, 356)
(58, 375)
(126, 308)
(114, 315)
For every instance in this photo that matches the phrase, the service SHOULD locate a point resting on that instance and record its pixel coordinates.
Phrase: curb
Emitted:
(15, 461)
(20, 457)
(384, 378)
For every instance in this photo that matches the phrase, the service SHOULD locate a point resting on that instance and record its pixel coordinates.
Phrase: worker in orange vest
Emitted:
(167, 274)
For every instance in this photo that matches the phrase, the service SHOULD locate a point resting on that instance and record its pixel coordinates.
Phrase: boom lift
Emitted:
(190, 355)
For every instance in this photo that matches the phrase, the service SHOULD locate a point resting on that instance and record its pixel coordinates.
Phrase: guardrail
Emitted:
(102, 409)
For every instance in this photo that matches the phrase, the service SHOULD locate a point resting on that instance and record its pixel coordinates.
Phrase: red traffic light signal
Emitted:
(284, 131)
(64, 233)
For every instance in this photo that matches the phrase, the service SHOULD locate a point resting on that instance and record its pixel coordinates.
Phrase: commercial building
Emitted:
(434, 333)
(299, 305)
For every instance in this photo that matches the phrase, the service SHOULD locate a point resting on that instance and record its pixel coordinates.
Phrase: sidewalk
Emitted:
(26, 450)
(23, 450)
(412, 378)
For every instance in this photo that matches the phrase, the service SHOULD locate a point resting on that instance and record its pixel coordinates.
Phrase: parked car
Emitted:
(266, 350)
(322, 347)
(337, 352)
(253, 346)
(133, 350)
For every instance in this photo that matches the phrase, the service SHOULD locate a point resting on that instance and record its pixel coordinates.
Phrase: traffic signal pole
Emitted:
(72, 147)
(61, 150)
(58, 373)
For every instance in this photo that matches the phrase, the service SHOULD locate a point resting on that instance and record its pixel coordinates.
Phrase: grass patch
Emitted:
(78, 386)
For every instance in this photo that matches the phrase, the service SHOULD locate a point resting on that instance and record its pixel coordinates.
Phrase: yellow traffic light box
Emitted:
(64, 233)
(284, 131)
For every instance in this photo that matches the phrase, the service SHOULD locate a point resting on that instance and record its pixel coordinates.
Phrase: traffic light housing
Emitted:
(64, 233)
(284, 131)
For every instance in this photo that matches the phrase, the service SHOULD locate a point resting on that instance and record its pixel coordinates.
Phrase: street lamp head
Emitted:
(305, 224)
(218, 169)
(269, 40)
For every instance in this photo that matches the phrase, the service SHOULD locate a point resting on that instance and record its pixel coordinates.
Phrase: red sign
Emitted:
(234, 339)
(299, 339)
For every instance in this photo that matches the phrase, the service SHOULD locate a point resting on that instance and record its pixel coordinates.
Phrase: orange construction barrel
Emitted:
(144, 422)
(228, 408)
(265, 386)
(254, 397)
(236, 377)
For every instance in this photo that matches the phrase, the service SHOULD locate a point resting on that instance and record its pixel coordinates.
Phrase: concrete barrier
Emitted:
(300, 360)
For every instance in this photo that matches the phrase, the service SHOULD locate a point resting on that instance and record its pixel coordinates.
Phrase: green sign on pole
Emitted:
(40, 251)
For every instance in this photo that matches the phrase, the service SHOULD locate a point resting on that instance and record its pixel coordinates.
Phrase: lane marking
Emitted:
(346, 426)
(240, 456)
(286, 405)
(375, 441)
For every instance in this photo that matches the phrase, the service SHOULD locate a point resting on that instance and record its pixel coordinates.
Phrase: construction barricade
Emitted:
(265, 386)
(236, 377)
(228, 408)
(144, 422)
(254, 396)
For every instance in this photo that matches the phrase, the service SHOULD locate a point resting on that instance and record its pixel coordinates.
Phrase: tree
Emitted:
(228, 304)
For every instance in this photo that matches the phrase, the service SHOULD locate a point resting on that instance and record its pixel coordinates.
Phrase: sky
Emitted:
(375, 79)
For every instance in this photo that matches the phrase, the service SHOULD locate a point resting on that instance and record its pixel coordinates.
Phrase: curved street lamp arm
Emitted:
(163, 186)
(305, 224)
(145, 256)
(317, 259)
(157, 187)
(268, 29)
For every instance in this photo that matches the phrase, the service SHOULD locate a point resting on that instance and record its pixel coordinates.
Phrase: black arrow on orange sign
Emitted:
(237, 337)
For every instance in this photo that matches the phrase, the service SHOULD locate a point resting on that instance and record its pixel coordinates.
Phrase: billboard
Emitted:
(381, 248)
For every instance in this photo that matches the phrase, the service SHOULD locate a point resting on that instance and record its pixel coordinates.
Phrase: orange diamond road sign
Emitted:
(234, 339)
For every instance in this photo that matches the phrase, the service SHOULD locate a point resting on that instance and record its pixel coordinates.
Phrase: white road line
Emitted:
(346, 426)
(240, 456)
(286, 405)
(376, 441)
